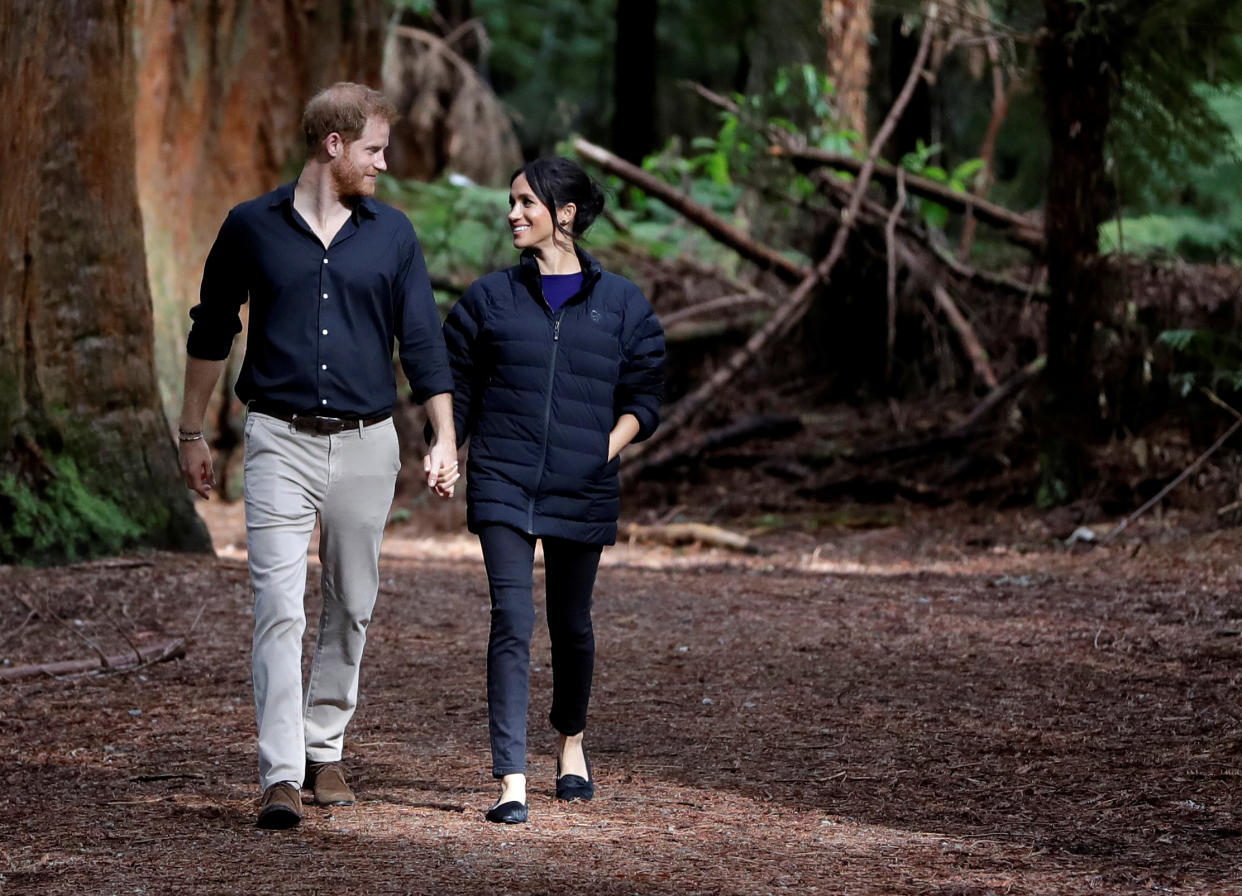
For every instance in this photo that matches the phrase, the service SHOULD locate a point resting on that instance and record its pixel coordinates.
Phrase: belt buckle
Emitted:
(320, 426)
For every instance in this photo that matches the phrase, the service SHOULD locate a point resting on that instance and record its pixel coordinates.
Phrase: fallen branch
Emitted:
(689, 533)
(711, 306)
(998, 396)
(1181, 477)
(877, 215)
(1023, 230)
(741, 242)
(795, 306)
(763, 427)
(953, 436)
(1185, 474)
(691, 331)
(146, 656)
(966, 333)
(1017, 228)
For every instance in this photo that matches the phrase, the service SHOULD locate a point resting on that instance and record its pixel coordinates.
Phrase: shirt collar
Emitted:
(283, 195)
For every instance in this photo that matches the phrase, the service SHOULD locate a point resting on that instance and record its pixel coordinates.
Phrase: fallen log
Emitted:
(677, 534)
(146, 656)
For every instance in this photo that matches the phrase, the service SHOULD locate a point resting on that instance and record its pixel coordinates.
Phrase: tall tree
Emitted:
(634, 80)
(1079, 67)
(1102, 61)
(87, 465)
(221, 87)
(847, 32)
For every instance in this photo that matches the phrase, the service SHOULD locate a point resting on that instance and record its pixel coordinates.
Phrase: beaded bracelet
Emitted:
(184, 436)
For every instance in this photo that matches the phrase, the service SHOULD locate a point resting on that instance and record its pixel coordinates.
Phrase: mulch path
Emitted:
(955, 705)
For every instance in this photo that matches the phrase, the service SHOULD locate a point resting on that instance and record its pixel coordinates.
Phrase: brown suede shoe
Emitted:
(281, 807)
(327, 779)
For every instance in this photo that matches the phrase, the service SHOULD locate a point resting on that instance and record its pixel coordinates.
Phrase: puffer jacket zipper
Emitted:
(547, 404)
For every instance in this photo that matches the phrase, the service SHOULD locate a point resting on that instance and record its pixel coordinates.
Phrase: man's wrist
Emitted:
(189, 433)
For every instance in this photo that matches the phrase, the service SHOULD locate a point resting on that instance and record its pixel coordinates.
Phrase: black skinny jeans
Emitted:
(569, 568)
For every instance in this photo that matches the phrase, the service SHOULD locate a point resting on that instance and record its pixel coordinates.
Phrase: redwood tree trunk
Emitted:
(87, 465)
(634, 80)
(847, 32)
(1078, 66)
(221, 87)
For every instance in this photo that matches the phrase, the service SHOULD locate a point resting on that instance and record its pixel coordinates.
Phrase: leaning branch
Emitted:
(965, 332)
(1181, 477)
(1023, 230)
(142, 656)
(740, 241)
(789, 313)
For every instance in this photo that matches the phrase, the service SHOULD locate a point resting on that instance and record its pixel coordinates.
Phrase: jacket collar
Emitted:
(529, 268)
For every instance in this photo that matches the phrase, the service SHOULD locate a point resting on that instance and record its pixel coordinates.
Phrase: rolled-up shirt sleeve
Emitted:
(217, 316)
(420, 342)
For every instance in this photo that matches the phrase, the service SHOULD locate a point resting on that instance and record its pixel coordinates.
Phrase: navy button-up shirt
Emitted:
(322, 321)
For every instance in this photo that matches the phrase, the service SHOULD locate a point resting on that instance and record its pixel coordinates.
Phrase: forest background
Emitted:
(905, 252)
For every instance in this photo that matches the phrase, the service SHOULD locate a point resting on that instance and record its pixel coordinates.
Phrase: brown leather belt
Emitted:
(313, 423)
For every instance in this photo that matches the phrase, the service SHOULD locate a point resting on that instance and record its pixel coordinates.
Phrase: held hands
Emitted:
(441, 468)
(196, 468)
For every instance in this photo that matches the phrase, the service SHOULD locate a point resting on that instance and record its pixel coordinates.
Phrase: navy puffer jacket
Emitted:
(537, 393)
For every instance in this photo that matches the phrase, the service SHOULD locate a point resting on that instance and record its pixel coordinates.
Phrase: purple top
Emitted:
(560, 288)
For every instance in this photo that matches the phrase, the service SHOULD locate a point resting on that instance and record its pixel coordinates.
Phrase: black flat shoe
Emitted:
(575, 787)
(511, 812)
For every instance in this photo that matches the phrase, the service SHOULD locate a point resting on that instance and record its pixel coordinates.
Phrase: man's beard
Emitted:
(347, 180)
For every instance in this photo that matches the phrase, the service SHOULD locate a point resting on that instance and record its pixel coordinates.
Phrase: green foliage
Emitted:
(799, 102)
(551, 63)
(60, 520)
(1205, 359)
(418, 7)
(959, 179)
(1195, 211)
(1163, 122)
(461, 227)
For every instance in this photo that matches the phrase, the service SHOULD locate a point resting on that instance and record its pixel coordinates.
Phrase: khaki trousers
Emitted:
(292, 478)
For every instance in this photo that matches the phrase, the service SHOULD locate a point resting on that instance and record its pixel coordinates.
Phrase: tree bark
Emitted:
(634, 80)
(1077, 66)
(221, 87)
(847, 31)
(87, 466)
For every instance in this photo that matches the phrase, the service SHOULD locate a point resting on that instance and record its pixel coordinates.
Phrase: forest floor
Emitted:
(956, 704)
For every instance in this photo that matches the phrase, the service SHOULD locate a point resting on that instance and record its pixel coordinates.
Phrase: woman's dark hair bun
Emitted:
(557, 182)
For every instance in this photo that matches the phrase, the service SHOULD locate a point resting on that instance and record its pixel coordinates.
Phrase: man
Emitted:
(332, 277)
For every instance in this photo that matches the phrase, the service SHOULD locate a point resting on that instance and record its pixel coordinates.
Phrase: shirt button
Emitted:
(325, 295)
(325, 261)
(325, 401)
(323, 367)
(325, 332)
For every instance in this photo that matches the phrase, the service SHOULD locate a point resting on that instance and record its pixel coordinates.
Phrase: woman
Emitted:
(558, 365)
